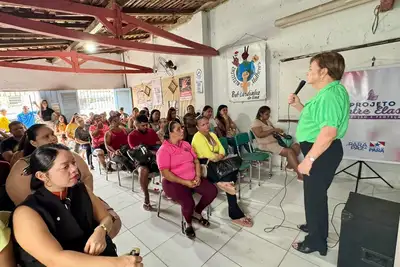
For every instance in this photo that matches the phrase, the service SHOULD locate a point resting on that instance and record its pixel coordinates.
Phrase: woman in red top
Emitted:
(115, 139)
(97, 132)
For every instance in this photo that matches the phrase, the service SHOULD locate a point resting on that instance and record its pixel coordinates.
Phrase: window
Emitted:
(96, 101)
(14, 101)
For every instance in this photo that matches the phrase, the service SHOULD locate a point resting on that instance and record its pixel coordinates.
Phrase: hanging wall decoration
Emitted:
(157, 92)
(147, 90)
(247, 73)
(185, 88)
(172, 86)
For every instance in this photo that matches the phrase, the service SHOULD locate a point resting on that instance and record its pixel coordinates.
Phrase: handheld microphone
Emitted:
(135, 252)
(300, 86)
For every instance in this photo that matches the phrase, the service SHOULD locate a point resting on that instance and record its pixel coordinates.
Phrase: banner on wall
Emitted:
(141, 97)
(185, 88)
(157, 92)
(374, 115)
(247, 73)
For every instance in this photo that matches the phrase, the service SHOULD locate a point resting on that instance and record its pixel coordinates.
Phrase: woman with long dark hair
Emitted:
(172, 116)
(208, 113)
(323, 122)
(18, 184)
(189, 122)
(154, 120)
(208, 148)
(45, 111)
(60, 128)
(264, 132)
(71, 225)
(227, 128)
(82, 137)
(116, 142)
(70, 132)
(181, 174)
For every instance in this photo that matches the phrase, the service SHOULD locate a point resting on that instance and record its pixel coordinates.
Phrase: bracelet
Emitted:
(104, 228)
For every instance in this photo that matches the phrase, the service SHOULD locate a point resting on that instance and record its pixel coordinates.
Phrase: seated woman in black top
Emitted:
(62, 223)
(172, 116)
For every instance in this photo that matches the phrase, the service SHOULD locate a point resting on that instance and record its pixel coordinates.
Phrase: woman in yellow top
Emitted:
(70, 132)
(6, 251)
(208, 148)
(60, 129)
(4, 122)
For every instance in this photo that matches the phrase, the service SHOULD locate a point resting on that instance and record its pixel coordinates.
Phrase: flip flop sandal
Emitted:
(189, 232)
(202, 221)
(244, 222)
(147, 207)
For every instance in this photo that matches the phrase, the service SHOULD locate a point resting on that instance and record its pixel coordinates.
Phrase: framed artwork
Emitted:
(147, 90)
(173, 86)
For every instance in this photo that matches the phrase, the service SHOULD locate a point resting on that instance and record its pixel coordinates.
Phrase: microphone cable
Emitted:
(275, 227)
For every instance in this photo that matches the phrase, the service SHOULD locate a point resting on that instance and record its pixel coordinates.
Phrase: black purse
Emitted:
(224, 167)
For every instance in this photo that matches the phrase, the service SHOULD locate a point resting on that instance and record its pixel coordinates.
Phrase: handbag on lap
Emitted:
(224, 167)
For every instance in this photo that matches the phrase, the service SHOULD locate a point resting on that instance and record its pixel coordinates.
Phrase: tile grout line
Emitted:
(287, 251)
(219, 250)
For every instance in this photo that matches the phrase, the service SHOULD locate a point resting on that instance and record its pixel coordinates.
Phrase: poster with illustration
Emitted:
(185, 88)
(247, 73)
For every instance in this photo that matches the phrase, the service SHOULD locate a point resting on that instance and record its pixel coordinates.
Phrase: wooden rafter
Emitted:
(104, 15)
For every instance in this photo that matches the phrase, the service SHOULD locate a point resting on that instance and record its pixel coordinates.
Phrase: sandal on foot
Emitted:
(231, 190)
(189, 232)
(303, 248)
(244, 222)
(303, 227)
(202, 221)
(147, 207)
(300, 178)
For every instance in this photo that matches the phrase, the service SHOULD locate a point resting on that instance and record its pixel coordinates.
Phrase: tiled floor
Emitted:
(223, 244)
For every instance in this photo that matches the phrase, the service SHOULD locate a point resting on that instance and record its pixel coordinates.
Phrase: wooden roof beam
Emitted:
(187, 47)
(51, 17)
(157, 12)
(8, 43)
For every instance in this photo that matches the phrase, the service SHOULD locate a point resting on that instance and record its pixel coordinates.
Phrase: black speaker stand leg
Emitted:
(377, 174)
(359, 177)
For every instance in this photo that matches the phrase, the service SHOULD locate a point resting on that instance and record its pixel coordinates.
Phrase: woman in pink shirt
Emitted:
(181, 174)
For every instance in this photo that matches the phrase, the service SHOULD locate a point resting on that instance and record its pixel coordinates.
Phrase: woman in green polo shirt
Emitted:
(323, 122)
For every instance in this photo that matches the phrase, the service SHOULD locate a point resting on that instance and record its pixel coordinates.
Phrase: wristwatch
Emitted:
(312, 159)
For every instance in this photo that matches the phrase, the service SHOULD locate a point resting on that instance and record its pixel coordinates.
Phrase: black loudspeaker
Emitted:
(368, 234)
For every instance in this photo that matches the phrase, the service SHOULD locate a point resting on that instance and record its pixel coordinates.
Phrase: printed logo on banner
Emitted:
(374, 109)
(357, 145)
(377, 146)
(247, 73)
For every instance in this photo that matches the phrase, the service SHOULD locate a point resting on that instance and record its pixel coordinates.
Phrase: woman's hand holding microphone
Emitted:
(295, 102)
(129, 261)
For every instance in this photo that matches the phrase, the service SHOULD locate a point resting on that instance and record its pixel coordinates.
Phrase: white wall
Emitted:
(192, 30)
(31, 80)
(232, 20)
